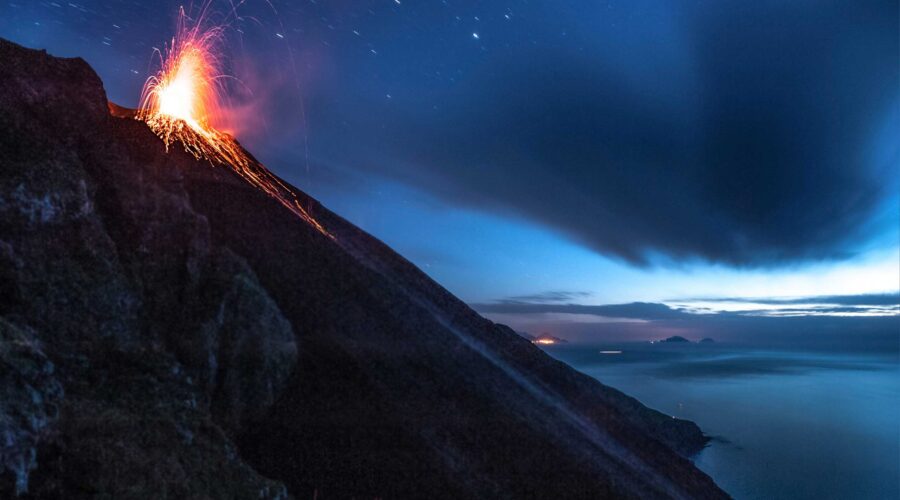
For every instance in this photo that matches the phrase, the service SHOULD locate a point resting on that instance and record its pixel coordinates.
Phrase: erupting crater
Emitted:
(186, 98)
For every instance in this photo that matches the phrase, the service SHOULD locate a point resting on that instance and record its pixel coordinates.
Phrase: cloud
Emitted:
(635, 310)
(875, 299)
(820, 323)
(544, 297)
(844, 305)
(739, 134)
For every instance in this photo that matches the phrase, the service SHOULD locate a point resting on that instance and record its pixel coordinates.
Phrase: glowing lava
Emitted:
(186, 98)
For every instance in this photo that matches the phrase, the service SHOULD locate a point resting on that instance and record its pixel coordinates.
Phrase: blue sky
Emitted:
(484, 257)
(611, 152)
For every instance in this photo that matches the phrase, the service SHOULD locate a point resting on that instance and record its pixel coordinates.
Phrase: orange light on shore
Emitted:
(544, 341)
(184, 102)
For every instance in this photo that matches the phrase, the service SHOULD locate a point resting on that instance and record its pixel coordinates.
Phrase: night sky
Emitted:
(543, 158)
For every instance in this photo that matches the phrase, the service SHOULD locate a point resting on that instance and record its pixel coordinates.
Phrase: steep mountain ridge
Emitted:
(187, 335)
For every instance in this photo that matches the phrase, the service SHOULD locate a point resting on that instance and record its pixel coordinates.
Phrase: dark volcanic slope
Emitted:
(168, 330)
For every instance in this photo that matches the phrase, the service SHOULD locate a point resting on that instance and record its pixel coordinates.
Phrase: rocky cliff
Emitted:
(169, 331)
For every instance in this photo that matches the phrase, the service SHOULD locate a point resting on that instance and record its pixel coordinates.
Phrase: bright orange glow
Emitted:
(184, 101)
(179, 97)
(544, 341)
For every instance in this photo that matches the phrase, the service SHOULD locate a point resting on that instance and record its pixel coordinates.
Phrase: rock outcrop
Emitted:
(167, 330)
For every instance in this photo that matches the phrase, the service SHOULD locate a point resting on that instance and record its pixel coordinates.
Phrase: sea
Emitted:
(785, 424)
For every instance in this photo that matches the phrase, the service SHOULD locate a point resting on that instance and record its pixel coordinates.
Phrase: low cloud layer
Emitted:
(863, 322)
(872, 299)
(559, 302)
(553, 296)
(635, 310)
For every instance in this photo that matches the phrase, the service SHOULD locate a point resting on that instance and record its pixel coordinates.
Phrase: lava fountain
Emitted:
(181, 102)
(184, 101)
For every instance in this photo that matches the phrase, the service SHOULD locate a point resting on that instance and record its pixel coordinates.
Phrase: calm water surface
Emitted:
(786, 424)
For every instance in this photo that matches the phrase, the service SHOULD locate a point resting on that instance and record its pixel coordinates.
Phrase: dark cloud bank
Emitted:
(748, 133)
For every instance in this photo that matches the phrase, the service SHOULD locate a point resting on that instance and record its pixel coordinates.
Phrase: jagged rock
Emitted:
(116, 277)
(211, 344)
(256, 350)
(29, 394)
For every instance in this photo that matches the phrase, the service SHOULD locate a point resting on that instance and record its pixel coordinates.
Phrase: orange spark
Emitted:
(185, 99)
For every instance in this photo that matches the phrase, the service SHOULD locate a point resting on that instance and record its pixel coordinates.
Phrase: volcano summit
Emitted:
(168, 329)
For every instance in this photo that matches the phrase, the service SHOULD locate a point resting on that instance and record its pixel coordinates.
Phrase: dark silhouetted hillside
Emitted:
(168, 331)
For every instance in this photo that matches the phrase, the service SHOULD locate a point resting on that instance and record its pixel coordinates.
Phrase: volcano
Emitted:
(169, 330)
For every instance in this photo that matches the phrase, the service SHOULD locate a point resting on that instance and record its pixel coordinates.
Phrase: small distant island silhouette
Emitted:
(678, 339)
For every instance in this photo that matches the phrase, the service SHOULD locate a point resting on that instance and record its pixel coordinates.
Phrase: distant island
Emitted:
(676, 338)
